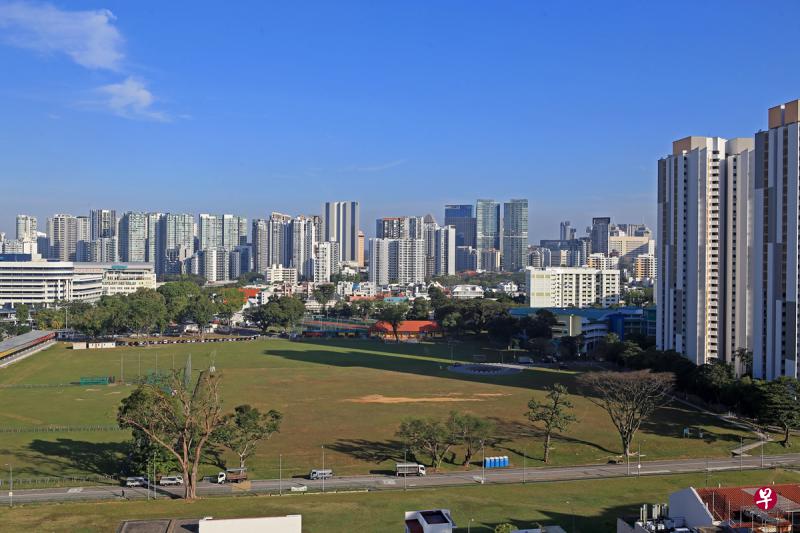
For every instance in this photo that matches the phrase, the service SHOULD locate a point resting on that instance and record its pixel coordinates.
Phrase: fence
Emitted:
(54, 429)
(61, 481)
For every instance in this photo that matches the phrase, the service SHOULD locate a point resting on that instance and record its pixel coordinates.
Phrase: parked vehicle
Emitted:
(135, 481)
(409, 469)
(232, 475)
(524, 360)
(171, 480)
(321, 474)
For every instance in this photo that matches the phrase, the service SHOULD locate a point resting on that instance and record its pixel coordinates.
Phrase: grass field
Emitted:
(589, 506)
(348, 395)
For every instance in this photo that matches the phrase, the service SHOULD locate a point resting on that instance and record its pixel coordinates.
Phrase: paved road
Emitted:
(374, 482)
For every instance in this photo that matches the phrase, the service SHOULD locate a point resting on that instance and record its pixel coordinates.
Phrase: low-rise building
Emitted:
(27, 279)
(433, 521)
(467, 292)
(407, 330)
(572, 286)
(280, 274)
(120, 278)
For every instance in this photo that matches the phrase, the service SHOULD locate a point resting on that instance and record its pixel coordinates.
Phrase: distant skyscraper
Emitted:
(461, 217)
(326, 261)
(515, 234)
(176, 240)
(62, 231)
(133, 237)
(27, 228)
(599, 234)
(103, 223)
(567, 231)
(445, 251)
(341, 224)
(279, 240)
(153, 235)
(303, 242)
(209, 231)
(487, 225)
(260, 240)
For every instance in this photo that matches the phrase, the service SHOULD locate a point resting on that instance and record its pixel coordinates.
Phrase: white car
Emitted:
(136, 481)
(171, 480)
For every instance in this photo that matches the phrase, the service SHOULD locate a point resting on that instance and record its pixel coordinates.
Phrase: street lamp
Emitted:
(469, 525)
(10, 485)
(483, 464)
(323, 468)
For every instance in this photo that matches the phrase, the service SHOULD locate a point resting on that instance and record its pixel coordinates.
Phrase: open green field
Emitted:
(348, 395)
(593, 505)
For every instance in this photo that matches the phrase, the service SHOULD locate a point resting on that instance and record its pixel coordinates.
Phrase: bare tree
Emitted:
(554, 414)
(628, 397)
(178, 415)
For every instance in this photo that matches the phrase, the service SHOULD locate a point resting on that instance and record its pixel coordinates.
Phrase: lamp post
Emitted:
(280, 474)
(10, 485)
(405, 471)
(469, 525)
(741, 452)
(323, 468)
(483, 464)
(524, 462)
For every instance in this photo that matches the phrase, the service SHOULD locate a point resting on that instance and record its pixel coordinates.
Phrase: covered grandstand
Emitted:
(21, 346)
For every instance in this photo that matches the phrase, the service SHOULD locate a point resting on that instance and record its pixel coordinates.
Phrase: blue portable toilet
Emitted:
(492, 463)
(505, 460)
(486, 462)
(495, 462)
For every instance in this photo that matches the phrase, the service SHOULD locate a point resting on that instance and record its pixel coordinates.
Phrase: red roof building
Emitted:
(407, 329)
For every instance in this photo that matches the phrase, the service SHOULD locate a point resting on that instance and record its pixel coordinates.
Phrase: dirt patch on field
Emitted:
(491, 394)
(378, 398)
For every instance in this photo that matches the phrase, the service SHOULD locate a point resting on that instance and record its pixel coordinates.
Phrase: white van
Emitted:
(136, 481)
(321, 474)
(171, 480)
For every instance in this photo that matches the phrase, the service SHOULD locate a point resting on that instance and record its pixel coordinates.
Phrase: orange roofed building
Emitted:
(407, 330)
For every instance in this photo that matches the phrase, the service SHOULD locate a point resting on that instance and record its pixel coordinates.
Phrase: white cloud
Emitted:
(88, 37)
(130, 99)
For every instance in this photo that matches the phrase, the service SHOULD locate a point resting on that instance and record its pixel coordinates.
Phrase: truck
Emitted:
(232, 475)
(409, 469)
(321, 474)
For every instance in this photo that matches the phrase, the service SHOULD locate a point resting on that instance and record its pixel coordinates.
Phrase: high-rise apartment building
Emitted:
(260, 242)
(399, 228)
(153, 243)
(461, 217)
(702, 259)
(133, 237)
(303, 242)
(599, 234)
(103, 223)
(279, 239)
(62, 231)
(515, 234)
(326, 261)
(397, 261)
(209, 231)
(176, 240)
(775, 247)
(444, 251)
(487, 225)
(467, 259)
(27, 228)
(341, 224)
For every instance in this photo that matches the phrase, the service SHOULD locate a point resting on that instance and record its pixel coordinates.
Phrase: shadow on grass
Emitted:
(512, 430)
(65, 455)
(671, 419)
(406, 358)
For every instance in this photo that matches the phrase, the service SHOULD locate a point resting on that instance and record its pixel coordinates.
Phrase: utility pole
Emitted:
(280, 474)
(741, 452)
(405, 472)
(323, 468)
(11, 485)
(483, 464)
(524, 462)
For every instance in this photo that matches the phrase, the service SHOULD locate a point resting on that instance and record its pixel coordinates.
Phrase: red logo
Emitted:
(765, 498)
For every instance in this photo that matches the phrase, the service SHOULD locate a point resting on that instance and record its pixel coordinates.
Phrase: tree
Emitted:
(452, 322)
(91, 322)
(469, 431)
(146, 311)
(293, 310)
(394, 314)
(201, 310)
(503, 327)
(427, 435)
(23, 313)
(180, 417)
(177, 295)
(362, 308)
(554, 414)
(323, 294)
(50, 318)
(266, 315)
(242, 430)
(628, 397)
(504, 528)
(229, 301)
(438, 299)
(420, 309)
(540, 325)
(744, 361)
(780, 405)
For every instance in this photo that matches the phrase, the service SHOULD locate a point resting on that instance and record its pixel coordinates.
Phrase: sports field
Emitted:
(577, 506)
(347, 395)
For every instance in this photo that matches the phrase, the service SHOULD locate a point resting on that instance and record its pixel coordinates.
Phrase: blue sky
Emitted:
(250, 107)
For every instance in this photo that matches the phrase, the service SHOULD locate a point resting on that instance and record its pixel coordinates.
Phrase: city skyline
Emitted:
(420, 102)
